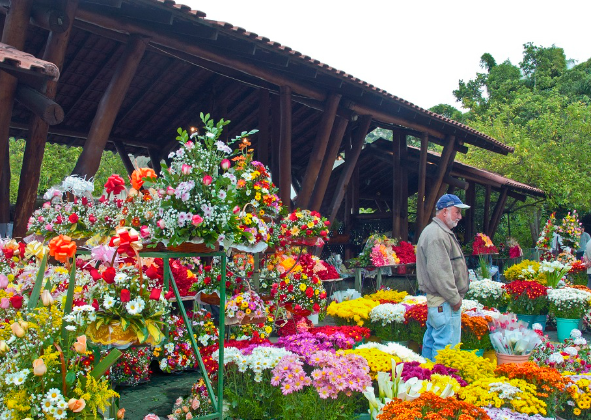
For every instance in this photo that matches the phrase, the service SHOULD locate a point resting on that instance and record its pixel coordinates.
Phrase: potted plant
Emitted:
(568, 305)
(489, 293)
(475, 333)
(527, 299)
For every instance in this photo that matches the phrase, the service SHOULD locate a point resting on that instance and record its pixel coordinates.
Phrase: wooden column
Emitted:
(486, 216)
(471, 201)
(155, 159)
(5, 190)
(15, 34)
(350, 164)
(447, 156)
(400, 187)
(318, 150)
(336, 137)
(498, 212)
(90, 158)
(264, 134)
(55, 52)
(285, 146)
(275, 139)
(124, 157)
(421, 190)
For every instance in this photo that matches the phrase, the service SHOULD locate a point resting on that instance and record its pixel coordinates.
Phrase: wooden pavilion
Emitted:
(133, 71)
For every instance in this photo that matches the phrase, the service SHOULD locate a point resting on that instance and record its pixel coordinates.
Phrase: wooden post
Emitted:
(264, 135)
(447, 156)
(350, 163)
(285, 146)
(355, 183)
(400, 187)
(124, 157)
(421, 190)
(498, 212)
(318, 150)
(90, 158)
(15, 34)
(55, 52)
(5, 191)
(155, 158)
(336, 137)
(471, 201)
(486, 216)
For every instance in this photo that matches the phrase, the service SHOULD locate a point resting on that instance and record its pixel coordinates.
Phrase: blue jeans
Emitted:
(443, 328)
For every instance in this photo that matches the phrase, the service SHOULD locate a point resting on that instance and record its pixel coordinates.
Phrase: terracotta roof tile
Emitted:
(11, 57)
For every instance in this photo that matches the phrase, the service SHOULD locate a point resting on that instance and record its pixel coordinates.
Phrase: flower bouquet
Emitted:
(510, 336)
(475, 332)
(545, 239)
(483, 245)
(198, 203)
(195, 405)
(304, 227)
(387, 321)
(377, 252)
(246, 307)
(129, 309)
(133, 367)
(406, 253)
(299, 293)
(568, 302)
(525, 270)
(570, 230)
(489, 293)
(554, 271)
(351, 312)
(527, 297)
(578, 273)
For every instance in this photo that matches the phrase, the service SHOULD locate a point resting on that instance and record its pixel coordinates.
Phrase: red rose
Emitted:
(309, 292)
(109, 275)
(309, 232)
(207, 280)
(169, 294)
(290, 288)
(322, 295)
(94, 273)
(327, 223)
(95, 305)
(92, 218)
(304, 227)
(152, 272)
(59, 220)
(155, 294)
(293, 217)
(316, 307)
(73, 218)
(125, 295)
(16, 301)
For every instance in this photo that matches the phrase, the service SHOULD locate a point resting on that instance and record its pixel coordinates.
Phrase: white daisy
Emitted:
(53, 394)
(108, 302)
(120, 278)
(46, 405)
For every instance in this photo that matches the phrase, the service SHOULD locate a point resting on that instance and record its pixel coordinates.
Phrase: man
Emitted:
(583, 241)
(442, 273)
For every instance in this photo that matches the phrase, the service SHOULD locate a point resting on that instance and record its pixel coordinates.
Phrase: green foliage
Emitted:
(58, 162)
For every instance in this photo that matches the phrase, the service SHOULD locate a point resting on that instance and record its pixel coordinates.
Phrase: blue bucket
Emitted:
(565, 326)
(530, 319)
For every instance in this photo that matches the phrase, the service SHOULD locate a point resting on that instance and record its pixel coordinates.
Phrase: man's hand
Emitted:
(458, 306)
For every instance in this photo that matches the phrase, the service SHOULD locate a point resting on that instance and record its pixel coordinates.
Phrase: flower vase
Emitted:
(564, 326)
(526, 318)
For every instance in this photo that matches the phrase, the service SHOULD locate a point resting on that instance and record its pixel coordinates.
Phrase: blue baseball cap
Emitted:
(449, 200)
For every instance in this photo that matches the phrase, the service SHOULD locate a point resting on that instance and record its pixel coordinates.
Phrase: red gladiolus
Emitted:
(16, 301)
(109, 275)
(155, 294)
(73, 218)
(125, 295)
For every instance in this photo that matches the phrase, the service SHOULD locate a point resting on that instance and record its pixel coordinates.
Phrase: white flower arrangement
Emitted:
(468, 305)
(388, 313)
(554, 271)
(568, 302)
(489, 293)
(262, 358)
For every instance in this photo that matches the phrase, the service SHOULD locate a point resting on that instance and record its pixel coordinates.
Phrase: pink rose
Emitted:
(4, 303)
(225, 164)
(41, 219)
(197, 220)
(3, 281)
(48, 227)
(169, 190)
(236, 210)
(151, 417)
(144, 231)
(46, 205)
(160, 223)
(207, 180)
(186, 169)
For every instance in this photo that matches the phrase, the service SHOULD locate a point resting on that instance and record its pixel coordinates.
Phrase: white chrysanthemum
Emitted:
(556, 358)
(580, 341)
(78, 186)
(59, 413)
(388, 313)
(405, 354)
(108, 302)
(46, 405)
(570, 351)
(120, 278)
(575, 333)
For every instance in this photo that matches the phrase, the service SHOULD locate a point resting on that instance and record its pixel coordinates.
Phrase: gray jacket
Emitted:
(441, 267)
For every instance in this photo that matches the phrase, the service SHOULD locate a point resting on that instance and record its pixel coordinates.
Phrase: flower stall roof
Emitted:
(193, 64)
(13, 60)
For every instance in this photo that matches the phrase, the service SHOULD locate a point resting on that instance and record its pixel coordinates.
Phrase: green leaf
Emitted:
(34, 298)
(106, 363)
(124, 324)
(70, 378)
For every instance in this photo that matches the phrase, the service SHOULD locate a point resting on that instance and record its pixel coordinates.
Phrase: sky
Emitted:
(417, 50)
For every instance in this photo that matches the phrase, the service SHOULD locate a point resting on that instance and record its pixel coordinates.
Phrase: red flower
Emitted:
(309, 292)
(95, 304)
(109, 275)
(125, 295)
(169, 294)
(155, 294)
(73, 218)
(115, 184)
(16, 301)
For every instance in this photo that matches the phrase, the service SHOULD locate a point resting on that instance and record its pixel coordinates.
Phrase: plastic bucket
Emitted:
(511, 358)
(541, 319)
(313, 318)
(564, 326)
(479, 352)
(527, 318)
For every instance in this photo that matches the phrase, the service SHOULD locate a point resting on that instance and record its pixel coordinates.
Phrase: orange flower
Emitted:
(547, 380)
(76, 405)
(80, 344)
(432, 407)
(137, 177)
(62, 248)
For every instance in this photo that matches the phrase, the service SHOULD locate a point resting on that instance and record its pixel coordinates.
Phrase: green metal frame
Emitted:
(216, 399)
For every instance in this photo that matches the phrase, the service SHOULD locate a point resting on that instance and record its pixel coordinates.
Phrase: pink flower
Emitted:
(151, 417)
(48, 227)
(169, 190)
(189, 145)
(197, 220)
(236, 210)
(225, 164)
(46, 205)
(207, 180)
(186, 169)
(160, 223)
(4, 303)
(41, 219)
(144, 231)
(3, 281)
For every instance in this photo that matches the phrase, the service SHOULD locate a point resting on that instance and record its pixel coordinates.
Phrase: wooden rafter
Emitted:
(422, 185)
(447, 156)
(498, 212)
(264, 135)
(285, 124)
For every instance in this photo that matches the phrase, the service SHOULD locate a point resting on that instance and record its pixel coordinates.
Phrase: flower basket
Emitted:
(112, 334)
(210, 299)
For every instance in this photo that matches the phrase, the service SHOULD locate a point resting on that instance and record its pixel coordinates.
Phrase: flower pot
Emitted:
(479, 352)
(541, 319)
(511, 358)
(526, 318)
(313, 318)
(564, 326)
(490, 355)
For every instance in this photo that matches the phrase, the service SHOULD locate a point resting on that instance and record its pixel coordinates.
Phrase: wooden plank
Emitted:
(355, 190)
(55, 52)
(264, 135)
(447, 156)
(486, 216)
(336, 137)
(400, 186)
(14, 33)
(39, 104)
(498, 212)
(124, 157)
(108, 107)
(350, 163)
(471, 201)
(318, 150)
(422, 185)
(285, 146)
